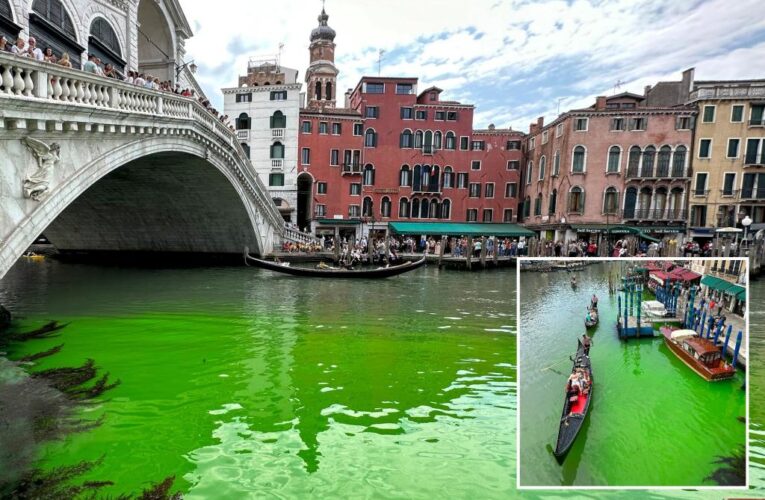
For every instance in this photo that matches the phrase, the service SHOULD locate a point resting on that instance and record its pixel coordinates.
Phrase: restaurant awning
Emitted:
(737, 291)
(338, 222)
(460, 229)
(683, 274)
(718, 284)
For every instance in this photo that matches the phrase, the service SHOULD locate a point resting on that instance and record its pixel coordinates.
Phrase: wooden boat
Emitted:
(593, 317)
(335, 272)
(700, 354)
(654, 309)
(575, 406)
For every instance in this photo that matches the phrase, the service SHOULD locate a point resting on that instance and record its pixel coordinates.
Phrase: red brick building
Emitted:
(394, 153)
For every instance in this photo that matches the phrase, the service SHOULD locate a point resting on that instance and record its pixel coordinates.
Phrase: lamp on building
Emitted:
(746, 222)
(178, 68)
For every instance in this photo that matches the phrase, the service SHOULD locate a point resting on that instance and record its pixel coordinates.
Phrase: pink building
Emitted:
(618, 166)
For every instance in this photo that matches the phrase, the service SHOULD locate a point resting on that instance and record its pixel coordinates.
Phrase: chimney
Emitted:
(348, 98)
(600, 102)
(533, 128)
(687, 85)
(541, 122)
(646, 90)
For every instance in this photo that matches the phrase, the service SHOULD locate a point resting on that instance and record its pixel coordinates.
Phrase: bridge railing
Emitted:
(25, 78)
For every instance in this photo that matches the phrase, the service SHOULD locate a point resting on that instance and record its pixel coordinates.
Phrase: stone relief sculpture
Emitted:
(47, 157)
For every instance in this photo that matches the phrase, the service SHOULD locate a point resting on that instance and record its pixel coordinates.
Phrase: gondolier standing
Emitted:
(586, 342)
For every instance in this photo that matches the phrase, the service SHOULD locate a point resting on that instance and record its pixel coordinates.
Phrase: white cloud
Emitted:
(514, 58)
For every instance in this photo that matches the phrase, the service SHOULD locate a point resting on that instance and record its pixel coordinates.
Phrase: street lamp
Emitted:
(746, 222)
(178, 68)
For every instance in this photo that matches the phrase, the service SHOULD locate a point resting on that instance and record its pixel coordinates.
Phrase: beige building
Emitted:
(724, 280)
(728, 158)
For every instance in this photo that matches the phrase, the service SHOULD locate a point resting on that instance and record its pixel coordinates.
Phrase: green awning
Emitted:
(338, 222)
(605, 228)
(664, 230)
(718, 284)
(741, 296)
(736, 291)
(459, 229)
(649, 238)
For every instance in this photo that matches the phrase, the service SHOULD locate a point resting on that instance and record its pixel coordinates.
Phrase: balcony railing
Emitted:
(757, 123)
(728, 92)
(753, 193)
(243, 134)
(277, 133)
(277, 164)
(729, 193)
(351, 169)
(754, 160)
(679, 172)
(660, 172)
(427, 150)
(662, 214)
(700, 193)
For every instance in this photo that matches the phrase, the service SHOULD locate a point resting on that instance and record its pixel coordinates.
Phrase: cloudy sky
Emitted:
(514, 59)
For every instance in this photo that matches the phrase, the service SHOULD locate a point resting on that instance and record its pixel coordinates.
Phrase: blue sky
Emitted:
(514, 60)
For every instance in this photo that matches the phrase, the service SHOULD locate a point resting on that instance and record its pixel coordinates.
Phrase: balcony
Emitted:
(277, 134)
(243, 135)
(656, 214)
(729, 193)
(277, 164)
(700, 193)
(752, 160)
(427, 150)
(757, 123)
(679, 173)
(351, 169)
(752, 193)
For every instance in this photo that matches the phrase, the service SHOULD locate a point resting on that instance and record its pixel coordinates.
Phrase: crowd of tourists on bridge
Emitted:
(94, 65)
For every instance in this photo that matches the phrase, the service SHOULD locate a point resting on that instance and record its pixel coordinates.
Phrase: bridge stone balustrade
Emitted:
(138, 170)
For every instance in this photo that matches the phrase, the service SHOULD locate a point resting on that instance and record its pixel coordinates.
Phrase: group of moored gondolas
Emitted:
(576, 405)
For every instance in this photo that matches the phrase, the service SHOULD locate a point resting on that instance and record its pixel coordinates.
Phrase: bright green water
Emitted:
(238, 381)
(245, 384)
(652, 421)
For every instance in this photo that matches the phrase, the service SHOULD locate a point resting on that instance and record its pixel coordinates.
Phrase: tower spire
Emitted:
(321, 75)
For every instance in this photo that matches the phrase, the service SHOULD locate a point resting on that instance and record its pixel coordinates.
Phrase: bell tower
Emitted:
(321, 75)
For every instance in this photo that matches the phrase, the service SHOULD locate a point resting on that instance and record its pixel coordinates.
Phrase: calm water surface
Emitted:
(239, 381)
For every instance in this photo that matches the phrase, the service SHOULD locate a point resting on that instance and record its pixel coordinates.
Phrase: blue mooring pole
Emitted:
(727, 338)
(709, 328)
(703, 322)
(738, 346)
(639, 301)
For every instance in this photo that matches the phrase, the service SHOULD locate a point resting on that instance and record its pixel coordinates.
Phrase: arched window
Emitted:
(277, 150)
(446, 209)
(417, 178)
(368, 178)
(7, 15)
(678, 162)
(645, 197)
(415, 208)
(630, 201)
(385, 206)
(317, 93)
(451, 141)
(424, 209)
(542, 165)
(434, 211)
(435, 179)
(610, 200)
(278, 120)
(418, 139)
(406, 139)
(405, 176)
(103, 42)
(425, 177)
(370, 138)
(403, 208)
(51, 25)
(660, 202)
(427, 146)
(633, 162)
(527, 206)
(448, 181)
(578, 161)
(649, 155)
(553, 201)
(437, 140)
(662, 165)
(556, 164)
(576, 200)
(538, 205)
(614, 159)
(243, 122)
(529, 170)
(366, 207)
(328, 91)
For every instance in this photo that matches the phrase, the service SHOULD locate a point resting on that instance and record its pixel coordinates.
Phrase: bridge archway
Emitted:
(158, 196)
(156, 42)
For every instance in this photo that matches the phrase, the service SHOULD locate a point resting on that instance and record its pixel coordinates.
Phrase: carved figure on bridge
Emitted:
(47, 157)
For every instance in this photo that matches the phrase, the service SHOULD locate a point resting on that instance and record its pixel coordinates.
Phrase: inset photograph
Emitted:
(632, 373)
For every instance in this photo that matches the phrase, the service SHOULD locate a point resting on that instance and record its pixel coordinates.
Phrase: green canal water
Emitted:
(652, 421)
(245, 384)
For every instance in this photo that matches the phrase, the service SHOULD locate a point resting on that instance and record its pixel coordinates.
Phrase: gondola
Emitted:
(575, 407)
(335, 272)
(593, 317)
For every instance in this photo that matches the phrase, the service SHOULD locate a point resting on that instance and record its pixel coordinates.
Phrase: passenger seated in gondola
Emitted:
(573, 387)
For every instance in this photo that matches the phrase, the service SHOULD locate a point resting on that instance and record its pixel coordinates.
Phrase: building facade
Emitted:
(265, 111)
(728, 154)
(618, 163)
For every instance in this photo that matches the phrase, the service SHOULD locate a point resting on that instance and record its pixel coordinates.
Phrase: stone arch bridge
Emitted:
(99, 164)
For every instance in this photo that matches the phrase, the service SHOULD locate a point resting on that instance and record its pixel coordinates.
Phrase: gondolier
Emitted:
(586, 342)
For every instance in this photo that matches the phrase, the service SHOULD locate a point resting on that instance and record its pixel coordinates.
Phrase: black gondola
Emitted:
(376, 273)
(575, 406)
